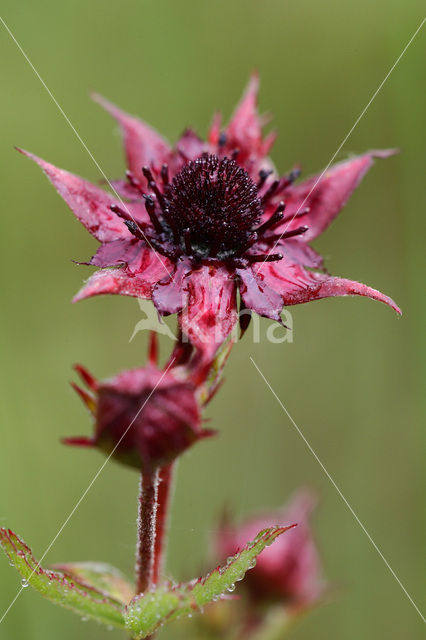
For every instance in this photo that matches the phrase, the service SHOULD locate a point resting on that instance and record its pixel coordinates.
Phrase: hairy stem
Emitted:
(164, 495)
(147, 517)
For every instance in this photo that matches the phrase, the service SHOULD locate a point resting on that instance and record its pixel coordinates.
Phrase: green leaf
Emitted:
(62, 588)
(147, 612)
(102, 577)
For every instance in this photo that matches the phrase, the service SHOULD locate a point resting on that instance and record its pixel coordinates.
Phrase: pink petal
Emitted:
(245, 127)
(143, 145)
(326, 195)
(150, 270)
(296, 251)
(296, 285)
(190, 146)
(170, 294)
(119, 252)
(332, 286)
(214, 131)
(125, 189)
(89, 203)
(257, 295)
(211, 313)
(114, 281)
(302, 253)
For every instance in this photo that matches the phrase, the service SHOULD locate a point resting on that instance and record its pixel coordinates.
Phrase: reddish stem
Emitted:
(164, 494)
(145, 552)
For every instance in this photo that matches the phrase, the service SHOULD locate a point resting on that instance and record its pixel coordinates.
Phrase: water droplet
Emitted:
(252, 564)
(231, 588)
(24, 583)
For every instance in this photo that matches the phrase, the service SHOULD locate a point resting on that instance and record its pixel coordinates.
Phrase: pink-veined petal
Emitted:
(325, 195)
(211, 313)
(258, 296)
(297, 285)
(125, 189)
(143, 145)
(301, 253)
(190, 146)
(245, 128)
(114, 281)
(150, 267)
(119, 252)
(296, 251)
(90, 204)
(170, 294)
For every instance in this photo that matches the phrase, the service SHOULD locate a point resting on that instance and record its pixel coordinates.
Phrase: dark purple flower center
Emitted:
(212, 204)
(209, 212)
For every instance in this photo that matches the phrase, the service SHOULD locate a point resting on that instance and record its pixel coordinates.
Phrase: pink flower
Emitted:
(203, 220)
(145, 417)
(289, 571)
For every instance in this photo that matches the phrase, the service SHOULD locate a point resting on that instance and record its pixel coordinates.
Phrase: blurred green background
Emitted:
(351, 378)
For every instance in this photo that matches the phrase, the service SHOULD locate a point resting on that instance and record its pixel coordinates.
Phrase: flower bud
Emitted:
(289, 571)
(144, 417)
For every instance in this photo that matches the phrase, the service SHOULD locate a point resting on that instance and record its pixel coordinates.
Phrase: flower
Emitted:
(203, 220)
(289, 571)
(144, 417)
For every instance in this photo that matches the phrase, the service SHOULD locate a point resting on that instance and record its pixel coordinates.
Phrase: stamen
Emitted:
(172, 225)
(121, 213)
(150, 208)
(292, 176)
(275, 217)
(295, 232)
(287, 180)
(148, 174)
(222, 139)
(263, 175)
(253, 237)
(153, 185)
(270, 257)
(134, 181)
(173, 254)
(135, 229)
(294, 216)
(270, 192)
(165, 174)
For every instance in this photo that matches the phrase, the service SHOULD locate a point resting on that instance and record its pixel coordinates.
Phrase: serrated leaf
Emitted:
(147, 612)
(60, 588)
(101, 576)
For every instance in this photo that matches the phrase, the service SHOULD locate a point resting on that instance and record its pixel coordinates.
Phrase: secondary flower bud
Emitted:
(289, 571)
(144, 417)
